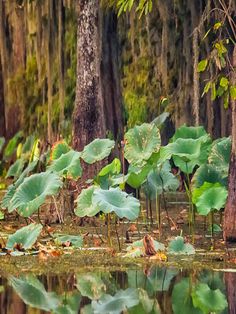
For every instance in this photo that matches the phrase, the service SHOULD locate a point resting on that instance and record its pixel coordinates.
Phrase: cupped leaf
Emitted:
(97, 150)
(32, 192)
(16, 169)
(220, 155)
(118, 303)
(197, 192)
(207, 173)
(113, 168)
(189, 132)
(90, 285)
(115, 200)
(33, 293)
(85, 206)
(141, 142)
(209, 301)
(177, 246)
(58, 149)
(211, 199)
(137, 176)
(71, 240)
(67, 165)
(182, 302)
(25, 237)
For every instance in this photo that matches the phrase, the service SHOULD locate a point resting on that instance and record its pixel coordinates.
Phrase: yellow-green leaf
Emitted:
(202, 65)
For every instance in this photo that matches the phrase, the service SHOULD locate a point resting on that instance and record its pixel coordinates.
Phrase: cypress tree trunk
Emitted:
(2, 105)
(230, 282)
(230, 208)
(88, 115)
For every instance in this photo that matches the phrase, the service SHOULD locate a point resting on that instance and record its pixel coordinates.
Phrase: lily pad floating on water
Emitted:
(70, 240)
(121, 301)
(24, 237)
(33, 293)
(97, 150)
(142, 142)
(32, 192)
(177, 246)
(67, 165)
(115, 200)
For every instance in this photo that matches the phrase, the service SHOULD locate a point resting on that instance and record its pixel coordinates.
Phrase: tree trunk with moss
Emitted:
(230, 209)
(88, 115)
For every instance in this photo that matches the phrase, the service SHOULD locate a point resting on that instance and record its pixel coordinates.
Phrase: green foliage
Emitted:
(202, 65)
(141, 142)
(85, 206)
(58, 149)
(189, 132)
(32, 192)
(12, 145)
(136, 249)
(15, 170)
(73, 240)
(24, 237)
(90, 285)
(197, 192)
(97, 150)
(67, 165)
(137, 176)
(33, 293)
(207, 173)
(177, 246)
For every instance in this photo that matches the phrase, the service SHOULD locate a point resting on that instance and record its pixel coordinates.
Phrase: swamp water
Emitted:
(146, 289)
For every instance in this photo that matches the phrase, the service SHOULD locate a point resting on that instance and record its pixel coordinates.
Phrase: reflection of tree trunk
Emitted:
(2, 105)
(230, 282)
(230, 208)
(88, 115)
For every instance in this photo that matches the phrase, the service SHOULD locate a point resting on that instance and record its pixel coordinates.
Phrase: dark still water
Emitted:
(149, 290)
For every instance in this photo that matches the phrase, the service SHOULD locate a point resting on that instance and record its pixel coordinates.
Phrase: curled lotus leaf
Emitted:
(85, 206)
(189, 132)
(97, 150)
(59, 148)
(141, 142)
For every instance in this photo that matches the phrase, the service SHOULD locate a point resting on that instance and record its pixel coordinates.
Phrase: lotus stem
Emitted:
(117, 235)
(109, 229)
(191, 208)
(158, 215)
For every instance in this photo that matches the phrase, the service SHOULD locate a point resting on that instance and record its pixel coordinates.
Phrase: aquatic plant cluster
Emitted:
(203, 162)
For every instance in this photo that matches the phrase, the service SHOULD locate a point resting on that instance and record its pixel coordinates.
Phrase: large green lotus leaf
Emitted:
(85, 207)
(137, 176)
(33, 293)
(58, 149)
(32, 192)
(115, 200)
(197, 192)
(12, 188)
(220, 155)
(2, 142)
(97, 150)
(113, 168)
(74, 240)
(186, 167)
(16, 169)
(209, 301)
(67, 165)
(146, 305)
(160, 120)
(116, 304)
(182, 302)
(142, 142)
(177, 246)
(189, 132)
(207, 173)
(25, 236)
(90, 285)
(161, 180)
(211, 199)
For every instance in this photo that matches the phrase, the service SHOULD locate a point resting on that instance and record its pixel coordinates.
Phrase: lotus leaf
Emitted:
(211, 199)
(67, 165)
(160, 120)
(12, 144)
(189, 132)
(146, 305)
(207, 173)
(69, 303)
(182, 302)
(209, 301)
(97, 150)
(58, 149)
(90, 285)
(33, 293)
(116, 304)
(115, 200)
(2, 142)
(137, 176)
(32, 192)
(113, 168)
(25, 237)
(177, 246)
(220, 155)
(16, 169)
(136, 249)
(85, 207)
(74, 240)
(161, 180)
(28, 145)
(197, 192)
(142, 142)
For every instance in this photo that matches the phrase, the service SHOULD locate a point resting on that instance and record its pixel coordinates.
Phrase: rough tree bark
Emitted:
(230, 208)
(230, 282)
(88, 115)
(2, 105)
